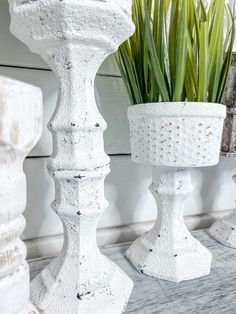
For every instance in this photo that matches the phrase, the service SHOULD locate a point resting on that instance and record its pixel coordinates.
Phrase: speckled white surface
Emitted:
(169, 251)
(175, 135)
(20, 129)
(74, 37)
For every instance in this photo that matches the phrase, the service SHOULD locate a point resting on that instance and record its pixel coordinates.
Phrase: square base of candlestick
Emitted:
(224, 230)
(185, 263)
(106, 291)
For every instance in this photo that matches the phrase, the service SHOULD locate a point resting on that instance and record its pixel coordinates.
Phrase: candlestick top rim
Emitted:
(125, 5)
(49, 23)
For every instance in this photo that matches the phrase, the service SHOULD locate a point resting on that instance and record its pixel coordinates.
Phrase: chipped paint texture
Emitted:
(177, 135)
(21, 124)
(74, 38)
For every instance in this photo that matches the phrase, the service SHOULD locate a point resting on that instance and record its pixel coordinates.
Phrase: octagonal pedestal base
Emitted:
(224, 230)
(107, 292)
(184, 263)
(168, 251)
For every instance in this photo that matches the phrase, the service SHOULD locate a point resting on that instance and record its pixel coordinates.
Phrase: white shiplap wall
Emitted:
(127, 185)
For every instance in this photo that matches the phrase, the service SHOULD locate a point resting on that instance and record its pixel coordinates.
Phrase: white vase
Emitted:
(175, 135)
(74, 37)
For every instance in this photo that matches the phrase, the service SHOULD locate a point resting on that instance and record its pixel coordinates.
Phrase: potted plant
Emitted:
(175, 68)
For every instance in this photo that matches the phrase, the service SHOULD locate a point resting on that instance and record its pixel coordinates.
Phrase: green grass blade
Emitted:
(203, 62)
(160, 80)
(181, 53)
(173, 40)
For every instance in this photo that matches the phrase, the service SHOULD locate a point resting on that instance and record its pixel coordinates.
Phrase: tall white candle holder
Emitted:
(74, 37)
(20, 129)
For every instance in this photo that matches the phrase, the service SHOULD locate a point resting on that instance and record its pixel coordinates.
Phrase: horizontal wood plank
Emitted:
(15, 53)
(52, 245)
(127, 191)
(112, 101)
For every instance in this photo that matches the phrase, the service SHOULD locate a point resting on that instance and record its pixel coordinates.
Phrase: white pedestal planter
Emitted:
(74, 37)
(177, 135)
(224, 229)
(20, 129)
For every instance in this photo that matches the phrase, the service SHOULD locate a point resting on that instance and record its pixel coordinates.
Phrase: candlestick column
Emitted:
(74, 37)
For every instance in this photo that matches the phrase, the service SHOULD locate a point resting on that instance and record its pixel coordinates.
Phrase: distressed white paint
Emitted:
(177, 135)
(74, 37)
(15, 53)
(224, 229)
(214, 189)
(20, 129)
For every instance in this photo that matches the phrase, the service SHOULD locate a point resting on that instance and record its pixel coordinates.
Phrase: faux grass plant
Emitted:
(181, 51)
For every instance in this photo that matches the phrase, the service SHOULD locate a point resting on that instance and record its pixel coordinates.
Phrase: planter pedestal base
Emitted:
(169, 251)
(224, 230)
(186, 263)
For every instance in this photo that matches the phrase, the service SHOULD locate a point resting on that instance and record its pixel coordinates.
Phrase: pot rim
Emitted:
(177, 109)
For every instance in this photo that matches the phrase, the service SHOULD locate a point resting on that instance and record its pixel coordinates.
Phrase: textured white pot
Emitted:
(74, 37)
(20, 129)
(177, 135)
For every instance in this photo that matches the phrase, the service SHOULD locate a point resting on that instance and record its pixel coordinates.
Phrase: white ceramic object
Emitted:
(177, 135)
(74, 37)
(224, 229)
(20, 129)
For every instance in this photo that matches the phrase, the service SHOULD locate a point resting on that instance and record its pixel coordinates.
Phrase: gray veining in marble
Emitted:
(215, 293)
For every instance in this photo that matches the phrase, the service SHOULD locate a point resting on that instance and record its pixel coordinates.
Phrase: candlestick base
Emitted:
(105, 291)
(224, 230)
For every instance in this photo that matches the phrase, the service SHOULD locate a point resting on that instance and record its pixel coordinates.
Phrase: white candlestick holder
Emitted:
(74, 38)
